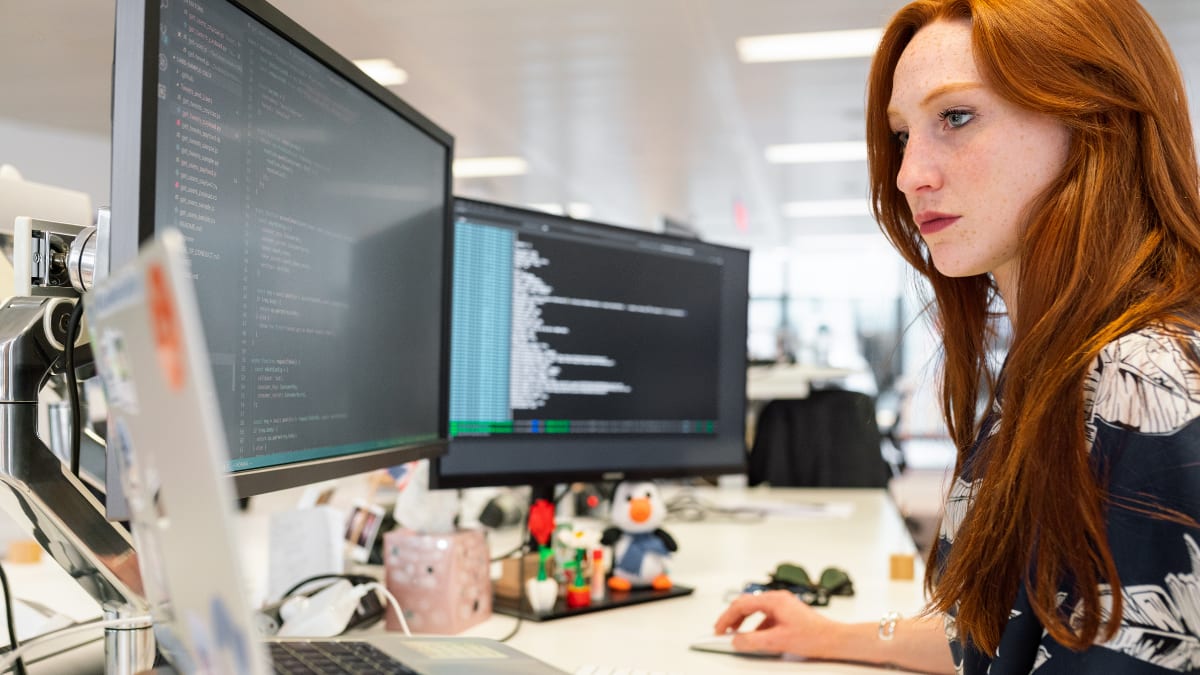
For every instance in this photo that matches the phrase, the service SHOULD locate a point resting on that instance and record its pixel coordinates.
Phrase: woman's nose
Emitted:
(919, 169)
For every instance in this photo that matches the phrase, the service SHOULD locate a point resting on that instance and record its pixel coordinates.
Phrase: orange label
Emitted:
(168, 336)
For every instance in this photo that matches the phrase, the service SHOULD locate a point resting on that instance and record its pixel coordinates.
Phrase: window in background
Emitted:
(849, 301)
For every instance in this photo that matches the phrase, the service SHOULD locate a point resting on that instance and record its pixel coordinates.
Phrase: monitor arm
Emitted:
(50, 503)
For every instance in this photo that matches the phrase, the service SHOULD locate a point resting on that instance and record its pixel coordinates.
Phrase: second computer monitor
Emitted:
(583, 351)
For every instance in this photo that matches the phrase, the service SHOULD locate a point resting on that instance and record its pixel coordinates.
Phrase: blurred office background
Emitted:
(642, 113)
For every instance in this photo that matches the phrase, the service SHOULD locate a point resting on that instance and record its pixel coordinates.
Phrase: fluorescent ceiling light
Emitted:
(548, 207)
(834, 44)
(382, 71)
(827, 209)
(486, 167)
(810, 153)
(579, 210)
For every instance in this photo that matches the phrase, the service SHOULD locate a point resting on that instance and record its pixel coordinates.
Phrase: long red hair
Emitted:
(1112, 246)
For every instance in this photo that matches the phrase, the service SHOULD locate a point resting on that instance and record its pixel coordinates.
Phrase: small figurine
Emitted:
(542, 590)
(579, 540)
(640, 546)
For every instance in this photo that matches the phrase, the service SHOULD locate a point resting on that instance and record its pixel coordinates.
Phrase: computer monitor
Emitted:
(586, 352)
(316, 207)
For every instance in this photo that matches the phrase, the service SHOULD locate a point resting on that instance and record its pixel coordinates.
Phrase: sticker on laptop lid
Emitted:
(220, 643)
(122, 290)
(168, 333)
(115, 372)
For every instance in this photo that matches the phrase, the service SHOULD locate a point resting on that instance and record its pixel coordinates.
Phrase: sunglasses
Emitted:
(794, 578)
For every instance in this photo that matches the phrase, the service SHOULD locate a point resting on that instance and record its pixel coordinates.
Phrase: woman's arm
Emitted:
(917, 644)
(793, 627)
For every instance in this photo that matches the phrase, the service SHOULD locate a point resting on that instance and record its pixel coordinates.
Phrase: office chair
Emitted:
(829, 439)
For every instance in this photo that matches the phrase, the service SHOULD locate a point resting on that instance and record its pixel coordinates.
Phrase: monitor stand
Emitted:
(51, 504)
(519, 606)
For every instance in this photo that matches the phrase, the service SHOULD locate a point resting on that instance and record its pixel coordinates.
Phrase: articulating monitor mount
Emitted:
(39, 492)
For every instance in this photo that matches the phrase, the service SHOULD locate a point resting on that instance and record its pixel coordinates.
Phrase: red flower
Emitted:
(541, 521)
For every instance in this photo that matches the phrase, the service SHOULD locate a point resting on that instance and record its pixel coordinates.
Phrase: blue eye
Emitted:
(901, 138)
(956, 118)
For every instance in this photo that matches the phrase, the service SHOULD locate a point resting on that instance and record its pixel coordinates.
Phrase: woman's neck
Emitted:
(1005, 278)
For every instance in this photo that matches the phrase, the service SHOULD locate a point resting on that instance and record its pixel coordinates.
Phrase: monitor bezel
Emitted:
(134, 124)
(440, 479)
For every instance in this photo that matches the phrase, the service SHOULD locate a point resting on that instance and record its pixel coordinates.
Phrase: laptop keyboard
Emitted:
(298, 657)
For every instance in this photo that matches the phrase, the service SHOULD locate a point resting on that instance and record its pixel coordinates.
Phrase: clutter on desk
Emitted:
(641, 547)
(317, 607)
(303, 543)
(687, 506)
(580, 540)
(439, 573)
(569, 564)
(318, 494)
(441, 579)
(514, 571)
(587, 500)
(541, 591)
(362, 529)
(501, 508)
(24, 552)
(799, 510)
(794, 578)
(598, 581)
(573, 561)
(901, 566)
(421, 509)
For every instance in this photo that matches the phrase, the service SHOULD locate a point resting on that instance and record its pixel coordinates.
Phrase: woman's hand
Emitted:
(788, 625)
(792, 627)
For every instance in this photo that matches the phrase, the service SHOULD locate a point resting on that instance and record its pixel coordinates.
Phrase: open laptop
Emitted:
(166, 428)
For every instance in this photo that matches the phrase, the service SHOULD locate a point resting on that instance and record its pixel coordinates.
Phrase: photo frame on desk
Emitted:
(362, 529)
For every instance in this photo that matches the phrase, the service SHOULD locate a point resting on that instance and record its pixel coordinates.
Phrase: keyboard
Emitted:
(300, 657)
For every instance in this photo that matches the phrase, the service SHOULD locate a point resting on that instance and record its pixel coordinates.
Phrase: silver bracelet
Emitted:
(887, 625)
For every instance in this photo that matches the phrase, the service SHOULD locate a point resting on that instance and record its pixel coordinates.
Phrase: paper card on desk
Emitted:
(813, 510)
(303, 543)
(32, 619)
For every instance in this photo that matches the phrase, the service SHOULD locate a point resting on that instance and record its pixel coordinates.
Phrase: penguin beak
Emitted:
(639, 510)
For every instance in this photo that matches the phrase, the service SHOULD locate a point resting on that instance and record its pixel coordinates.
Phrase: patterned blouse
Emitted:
(1143, 413)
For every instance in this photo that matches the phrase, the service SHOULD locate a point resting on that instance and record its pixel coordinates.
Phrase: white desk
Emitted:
(48, 584)
(767, 383)
(719, 557)
(716, 557)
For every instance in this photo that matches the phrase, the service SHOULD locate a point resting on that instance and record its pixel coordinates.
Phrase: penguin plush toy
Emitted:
(640, 546)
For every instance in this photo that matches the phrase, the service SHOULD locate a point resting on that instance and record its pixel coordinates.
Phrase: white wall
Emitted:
(65, 159)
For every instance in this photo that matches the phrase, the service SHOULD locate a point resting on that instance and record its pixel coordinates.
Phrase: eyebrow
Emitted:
(940, 90)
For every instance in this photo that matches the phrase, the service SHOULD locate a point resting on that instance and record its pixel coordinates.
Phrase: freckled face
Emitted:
(973, 162)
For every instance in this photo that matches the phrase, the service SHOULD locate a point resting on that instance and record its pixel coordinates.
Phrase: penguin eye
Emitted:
(629, 497)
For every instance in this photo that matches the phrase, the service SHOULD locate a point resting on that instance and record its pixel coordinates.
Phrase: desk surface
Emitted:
(766, 383)
(716, 557)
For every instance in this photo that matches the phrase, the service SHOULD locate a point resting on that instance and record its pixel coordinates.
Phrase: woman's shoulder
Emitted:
(1147, 380)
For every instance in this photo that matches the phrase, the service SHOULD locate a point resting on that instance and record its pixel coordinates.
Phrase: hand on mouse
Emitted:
(788, 626)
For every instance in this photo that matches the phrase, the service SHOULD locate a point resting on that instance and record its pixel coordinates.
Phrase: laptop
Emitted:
(166, 428)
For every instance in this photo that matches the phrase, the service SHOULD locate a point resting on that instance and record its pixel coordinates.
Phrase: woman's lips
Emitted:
(936, 223)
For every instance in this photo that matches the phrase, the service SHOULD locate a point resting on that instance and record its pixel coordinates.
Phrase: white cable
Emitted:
(11, 658)
(375, 585)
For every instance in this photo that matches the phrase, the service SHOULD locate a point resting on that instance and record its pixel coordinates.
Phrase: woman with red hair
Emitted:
(1033, 160)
